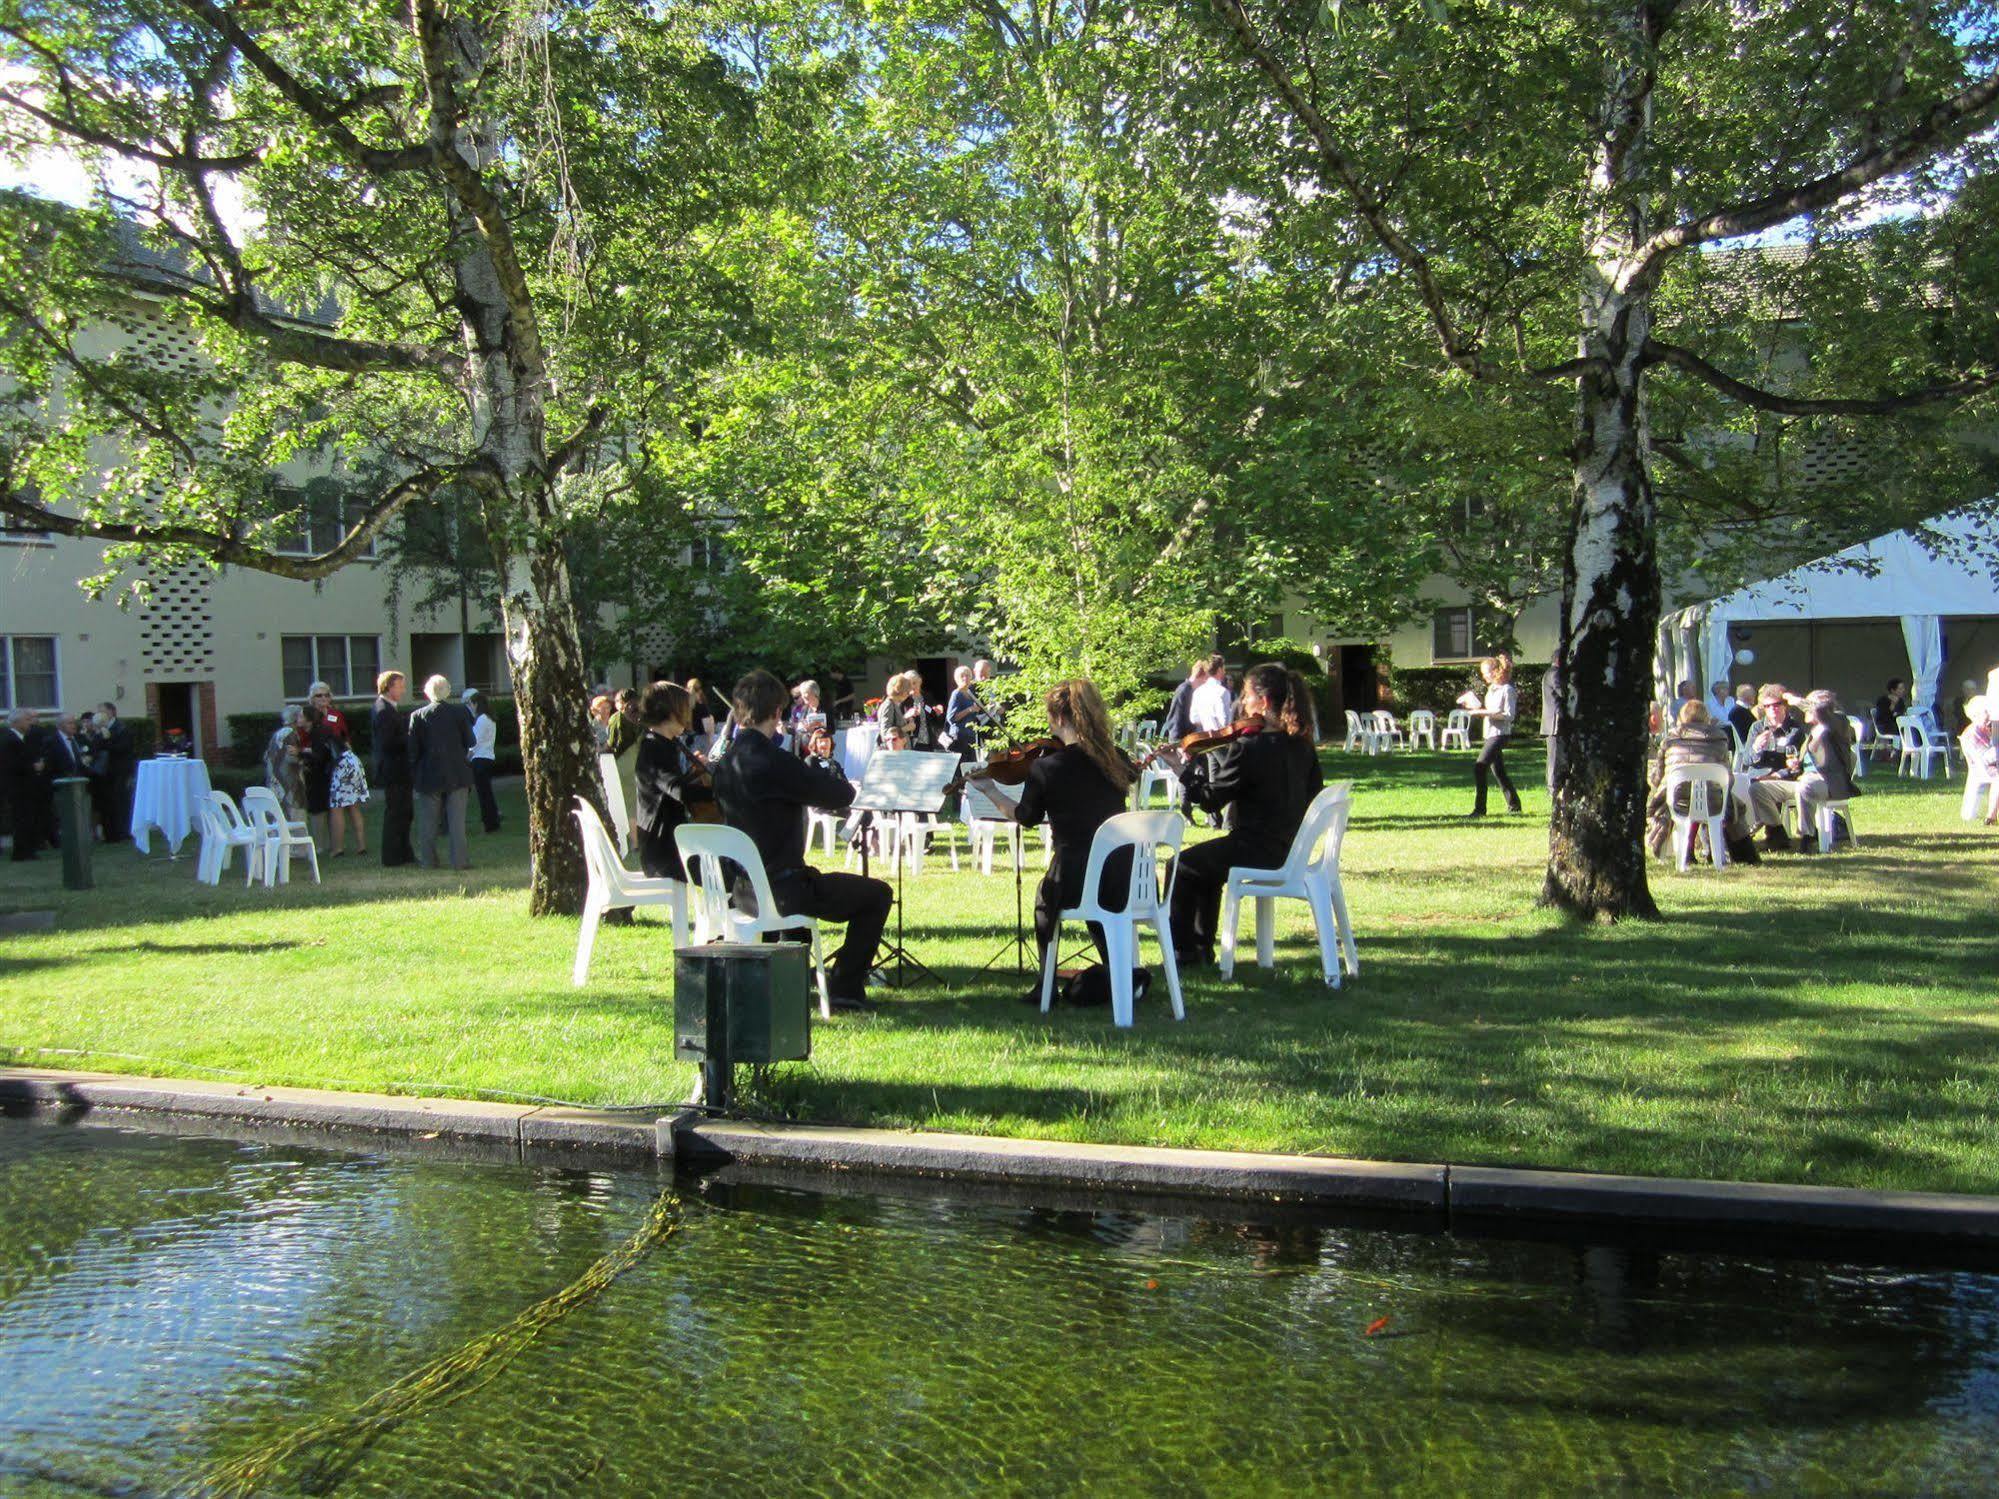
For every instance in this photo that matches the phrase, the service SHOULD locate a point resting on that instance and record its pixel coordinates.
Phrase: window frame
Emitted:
(301, 538)
(10, 674)
(1475, 616)
(318, 672)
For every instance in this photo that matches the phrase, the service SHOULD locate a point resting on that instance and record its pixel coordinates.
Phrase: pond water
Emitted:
(216, 1315)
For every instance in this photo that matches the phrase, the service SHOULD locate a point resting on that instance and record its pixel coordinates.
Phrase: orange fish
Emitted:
(1376, 1327)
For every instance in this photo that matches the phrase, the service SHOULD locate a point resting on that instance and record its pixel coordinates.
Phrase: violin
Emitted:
(700, 798)
(1201, 743)
(1008, 767)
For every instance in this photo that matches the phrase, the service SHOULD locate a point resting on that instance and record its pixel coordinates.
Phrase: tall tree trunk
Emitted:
(1610, 579)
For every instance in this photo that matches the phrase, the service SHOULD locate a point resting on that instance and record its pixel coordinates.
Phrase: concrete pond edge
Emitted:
(1471, 1195)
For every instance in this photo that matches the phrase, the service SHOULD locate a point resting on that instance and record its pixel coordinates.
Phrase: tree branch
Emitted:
(1942, 125)
(221, 547)
(1659, 352)
(328, 114)
(573, 447)
(89, 135)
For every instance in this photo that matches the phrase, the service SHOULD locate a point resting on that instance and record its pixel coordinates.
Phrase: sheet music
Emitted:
(978, 804)
(905, 781)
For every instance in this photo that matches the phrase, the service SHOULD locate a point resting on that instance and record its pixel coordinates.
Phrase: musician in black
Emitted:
(670, 784)
(765, 791)
(1075, 790)
(1266, 779)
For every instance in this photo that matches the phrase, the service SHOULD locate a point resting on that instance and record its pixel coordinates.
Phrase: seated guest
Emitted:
(1694, 739)
(1266, 779)
(1719, 701)
(806, 714)
(765, 792)
(1829, 744)
(1685, 693)
(1776, 753)
(1889, 706)
(1741, 715)
(1981, 751)
(1075, 790)
(819, 752)
(672, 786)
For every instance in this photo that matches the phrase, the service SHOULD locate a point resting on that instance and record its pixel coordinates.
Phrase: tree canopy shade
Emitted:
(1536, 177)
(423, 245)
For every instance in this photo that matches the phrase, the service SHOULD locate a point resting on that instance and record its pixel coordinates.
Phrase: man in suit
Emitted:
(111, 790)
(1179, 713)
(65, 756)
(391, 738)
(21, 767)
(440, 772)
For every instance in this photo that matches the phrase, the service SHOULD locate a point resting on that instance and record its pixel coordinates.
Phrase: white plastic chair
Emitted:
(223, 831)
(1359, 736)
(1387, 732)
(913, 833)
(1457, 730)
(1157, 775)
(1144, 833)
(1422, 728)
(821, 823)
(614, 798)
(1923, 745)
(278, 836)
(717, 847)
(1314, 880)
(1708, 789)
(613, 887)
(1862, 732)
(985, 833)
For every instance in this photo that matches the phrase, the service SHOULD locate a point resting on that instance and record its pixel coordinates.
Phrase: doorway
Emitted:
(1356, 685)
(175, 708)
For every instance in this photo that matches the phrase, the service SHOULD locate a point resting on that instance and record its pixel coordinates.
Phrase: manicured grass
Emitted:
(1818, 1020)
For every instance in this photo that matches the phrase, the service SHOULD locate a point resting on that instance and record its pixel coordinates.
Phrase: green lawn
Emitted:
(1821, 1020)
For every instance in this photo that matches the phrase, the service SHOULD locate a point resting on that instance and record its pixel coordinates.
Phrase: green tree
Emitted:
(1538, 179)
(468, 247)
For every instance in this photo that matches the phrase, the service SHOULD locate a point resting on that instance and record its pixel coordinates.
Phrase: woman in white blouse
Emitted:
(484, 734)
(1500, 707)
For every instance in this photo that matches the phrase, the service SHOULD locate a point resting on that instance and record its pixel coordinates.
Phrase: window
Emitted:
(346, 663)
(708, 555)
(28, 676)
(1465, 631)
(320, 516)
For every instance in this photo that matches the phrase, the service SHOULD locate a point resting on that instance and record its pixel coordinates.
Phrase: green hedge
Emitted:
(1437, 688)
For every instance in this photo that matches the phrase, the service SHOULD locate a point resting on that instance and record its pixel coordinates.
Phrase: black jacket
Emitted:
(1268, 779)
(391, 737)
(17, 760)
(1178, 723)
(440, 739)
(1066, 790)
(765, 792)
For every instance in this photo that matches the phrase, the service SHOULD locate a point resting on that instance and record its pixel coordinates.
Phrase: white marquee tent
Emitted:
(1896, 576)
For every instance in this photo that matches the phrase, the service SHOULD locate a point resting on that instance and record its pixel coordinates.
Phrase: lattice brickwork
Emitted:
(162, 343)
(177, 626)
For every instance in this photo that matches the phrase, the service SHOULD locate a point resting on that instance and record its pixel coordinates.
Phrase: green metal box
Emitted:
(742, 1002)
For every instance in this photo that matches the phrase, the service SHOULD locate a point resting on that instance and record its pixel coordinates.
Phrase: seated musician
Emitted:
(1266, 779)
(1075, 790)
(765, 792)
(671, 782)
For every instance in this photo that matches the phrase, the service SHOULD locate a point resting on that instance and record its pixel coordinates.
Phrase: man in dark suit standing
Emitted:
(111, 790)
(392, 767)
(63, 758)
(441, 772)
(21, 767)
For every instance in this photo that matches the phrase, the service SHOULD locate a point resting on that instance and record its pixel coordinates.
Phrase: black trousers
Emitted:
(111, 805)
(860, 901)
(398, 809)
(30, 820)
(1491, 761)
(1062, 887)
(482, 781)
(1200, 875)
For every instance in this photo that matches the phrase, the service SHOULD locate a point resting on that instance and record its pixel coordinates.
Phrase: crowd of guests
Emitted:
(96, 746)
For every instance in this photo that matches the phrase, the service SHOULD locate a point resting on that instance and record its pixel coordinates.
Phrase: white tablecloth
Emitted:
(165, 798)
(857, 747)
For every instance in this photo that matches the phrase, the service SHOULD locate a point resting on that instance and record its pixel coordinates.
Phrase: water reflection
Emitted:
(171, 1304)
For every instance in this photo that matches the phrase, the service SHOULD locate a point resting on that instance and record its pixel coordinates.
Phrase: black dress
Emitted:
(1067, 790)
(1266, 780)
(322, 752)
(667, 779)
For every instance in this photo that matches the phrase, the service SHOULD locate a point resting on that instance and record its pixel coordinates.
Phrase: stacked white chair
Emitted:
(1157, 775)
(1860, 729)
(614, 798)
(1387, 732)
(1921, 745)
(1359, 735)
(1976, 781)
(1144, 833)
(821, 823)
(1422, 728)
(718, 847)
(613, 887)
(1457, 730)
(223, 831)
(1311, 873)
(914, 830)
(1707, 805)
(278, 835)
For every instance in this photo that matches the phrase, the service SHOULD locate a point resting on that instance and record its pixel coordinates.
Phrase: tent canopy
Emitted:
(1896, 576)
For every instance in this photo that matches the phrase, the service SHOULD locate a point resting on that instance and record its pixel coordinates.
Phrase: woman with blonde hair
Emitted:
(1500, 706)
(1075, 790)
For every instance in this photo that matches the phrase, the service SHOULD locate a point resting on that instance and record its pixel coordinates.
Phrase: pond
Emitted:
(211, 1314)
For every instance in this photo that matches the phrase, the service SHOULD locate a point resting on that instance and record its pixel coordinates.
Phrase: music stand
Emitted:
(902, 783)
(978, 804)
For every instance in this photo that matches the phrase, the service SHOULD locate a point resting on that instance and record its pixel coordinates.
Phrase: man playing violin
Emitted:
(1266, 775)
(765, 792)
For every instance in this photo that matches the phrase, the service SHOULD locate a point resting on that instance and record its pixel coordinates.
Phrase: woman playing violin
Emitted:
(1074, 788)
(672, 783)
(1266, 777)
